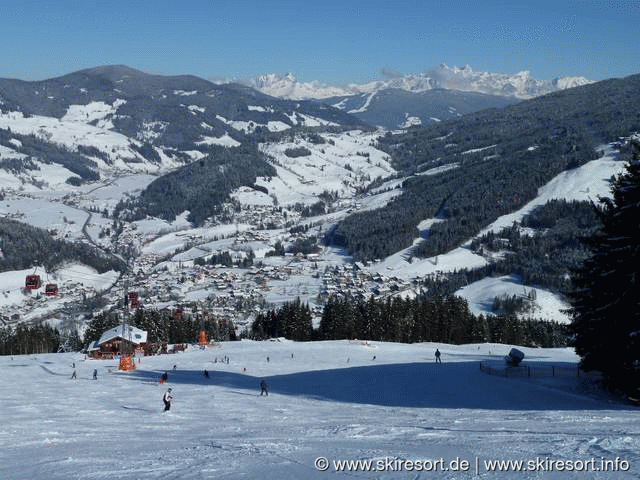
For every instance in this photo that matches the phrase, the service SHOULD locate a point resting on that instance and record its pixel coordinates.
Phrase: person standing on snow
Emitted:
(95, 373)
(438, 356)
(167, 400)
(263, 388)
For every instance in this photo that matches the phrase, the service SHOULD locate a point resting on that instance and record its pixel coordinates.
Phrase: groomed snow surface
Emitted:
(343, 400)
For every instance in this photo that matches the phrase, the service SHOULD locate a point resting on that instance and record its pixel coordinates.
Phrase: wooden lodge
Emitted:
(119, 340)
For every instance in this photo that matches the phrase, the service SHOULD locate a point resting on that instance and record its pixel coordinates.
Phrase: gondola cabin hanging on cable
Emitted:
(51, 289)
(32, 282)
(134, 300)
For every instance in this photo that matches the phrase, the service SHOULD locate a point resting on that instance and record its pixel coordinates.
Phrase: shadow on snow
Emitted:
(418, 385)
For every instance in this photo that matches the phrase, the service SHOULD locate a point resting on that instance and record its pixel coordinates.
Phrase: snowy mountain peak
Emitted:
(520, 85)
(270, 79)
(289, 87)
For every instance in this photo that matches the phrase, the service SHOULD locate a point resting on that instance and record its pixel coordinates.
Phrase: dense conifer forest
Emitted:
(438, 319)
(162, 327)
(25, 339)
(199, 187)
(24, 246)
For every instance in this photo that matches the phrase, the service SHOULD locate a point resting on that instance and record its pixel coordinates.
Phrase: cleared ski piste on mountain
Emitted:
(588, 182)
(326, 399)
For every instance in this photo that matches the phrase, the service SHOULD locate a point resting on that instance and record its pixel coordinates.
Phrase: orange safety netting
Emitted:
(126, 363)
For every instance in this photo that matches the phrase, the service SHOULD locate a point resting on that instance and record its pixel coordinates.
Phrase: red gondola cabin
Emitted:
(51, 290)
(32, 282)
(134, 300)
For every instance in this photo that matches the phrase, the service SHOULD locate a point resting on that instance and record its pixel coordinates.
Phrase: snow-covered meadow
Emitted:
(346, 161)
(342, 400)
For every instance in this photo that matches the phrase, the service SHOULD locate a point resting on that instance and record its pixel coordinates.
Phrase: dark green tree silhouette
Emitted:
(606, 299)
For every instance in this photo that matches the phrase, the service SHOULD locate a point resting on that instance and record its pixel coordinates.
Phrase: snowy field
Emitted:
(482, 293)
(342, 400)
(341, 166)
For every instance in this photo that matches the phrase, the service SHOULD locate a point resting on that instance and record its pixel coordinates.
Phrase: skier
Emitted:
(73, 375)
(95, 373)
(167, 400)
(206, 373)
(164, 377)
(438, 356)
(263, 388)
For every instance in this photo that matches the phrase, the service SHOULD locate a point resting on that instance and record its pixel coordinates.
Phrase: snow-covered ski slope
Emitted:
(327, 399)
(585, 183)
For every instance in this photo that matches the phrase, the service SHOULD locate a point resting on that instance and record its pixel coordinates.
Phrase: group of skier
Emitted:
(264, 388)
(74, 375)
(168, 396)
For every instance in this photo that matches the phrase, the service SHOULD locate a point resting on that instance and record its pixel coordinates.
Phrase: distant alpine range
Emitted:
(404, 100)
(521, 85)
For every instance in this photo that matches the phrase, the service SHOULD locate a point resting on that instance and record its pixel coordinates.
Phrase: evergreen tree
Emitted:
(606, 300)
(100, 324)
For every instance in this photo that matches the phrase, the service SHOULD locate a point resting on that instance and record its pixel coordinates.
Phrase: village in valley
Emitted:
(257, 254)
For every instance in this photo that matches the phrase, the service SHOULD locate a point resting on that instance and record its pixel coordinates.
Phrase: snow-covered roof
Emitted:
(132, 334)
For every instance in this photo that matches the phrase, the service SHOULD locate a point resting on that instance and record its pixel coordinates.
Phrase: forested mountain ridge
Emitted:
(199, 187)
(395, 108)
(495, 162)
(181, 102)
(130, 120)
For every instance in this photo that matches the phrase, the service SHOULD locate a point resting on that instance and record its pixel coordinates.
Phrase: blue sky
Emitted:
(332, 41)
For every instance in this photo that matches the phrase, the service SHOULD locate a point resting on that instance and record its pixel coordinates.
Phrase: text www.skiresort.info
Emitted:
(477, 466)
